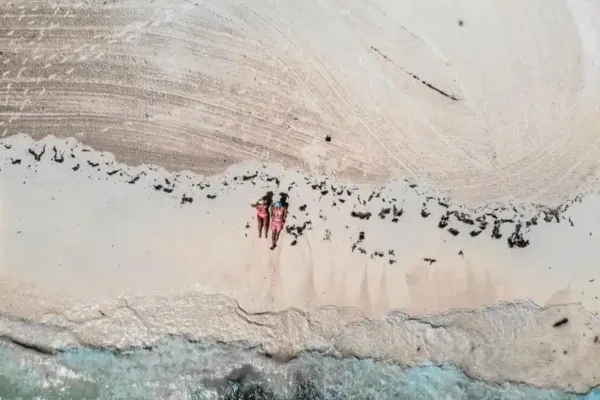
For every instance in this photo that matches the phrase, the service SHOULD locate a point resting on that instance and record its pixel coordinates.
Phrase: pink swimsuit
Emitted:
(261, 212)
(277, 223)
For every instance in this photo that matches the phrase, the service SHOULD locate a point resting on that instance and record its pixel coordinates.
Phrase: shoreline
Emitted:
(458, 338)
(247, 367)
(271, 287)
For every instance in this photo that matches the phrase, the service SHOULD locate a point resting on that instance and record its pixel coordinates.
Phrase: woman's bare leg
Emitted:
(267, 223)
(260, 226)
(274, 239)
(277, 237)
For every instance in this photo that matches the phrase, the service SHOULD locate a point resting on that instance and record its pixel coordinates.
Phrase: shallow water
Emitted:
(182, 370)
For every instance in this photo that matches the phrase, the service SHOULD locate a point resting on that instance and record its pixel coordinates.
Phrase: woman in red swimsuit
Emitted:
(262, 216)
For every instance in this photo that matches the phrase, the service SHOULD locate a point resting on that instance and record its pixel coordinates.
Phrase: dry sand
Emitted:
(487, 102)
(125, 256)
(201, 85)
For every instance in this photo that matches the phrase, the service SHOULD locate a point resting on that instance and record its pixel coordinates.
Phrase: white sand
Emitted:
(132, 239)
(511, 114)
(107, 247)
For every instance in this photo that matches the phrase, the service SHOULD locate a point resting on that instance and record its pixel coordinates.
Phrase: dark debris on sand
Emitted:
(360, 215)
(560, 322)
(37, 156)
(57, 157)
(516, 239)
(453, 232)
(298, 230)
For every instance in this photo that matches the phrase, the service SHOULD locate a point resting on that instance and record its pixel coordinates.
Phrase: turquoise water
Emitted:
(182, 370)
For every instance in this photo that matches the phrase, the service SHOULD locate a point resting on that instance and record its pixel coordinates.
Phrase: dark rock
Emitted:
(453, 231)
(186, 199)
(75, 168)
(430, 260)
(211, 196)
(328, 138)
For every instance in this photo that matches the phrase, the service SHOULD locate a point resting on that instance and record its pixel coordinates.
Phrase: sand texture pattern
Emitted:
(490, 100)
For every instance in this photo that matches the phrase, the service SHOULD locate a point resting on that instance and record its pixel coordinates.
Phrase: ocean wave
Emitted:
(177, 369)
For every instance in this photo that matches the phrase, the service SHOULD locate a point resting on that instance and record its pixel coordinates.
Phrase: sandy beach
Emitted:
(439, 213)
(144, 254)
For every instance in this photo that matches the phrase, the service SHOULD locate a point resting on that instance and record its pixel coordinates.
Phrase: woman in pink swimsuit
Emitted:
(278, 214)
(262, 216)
